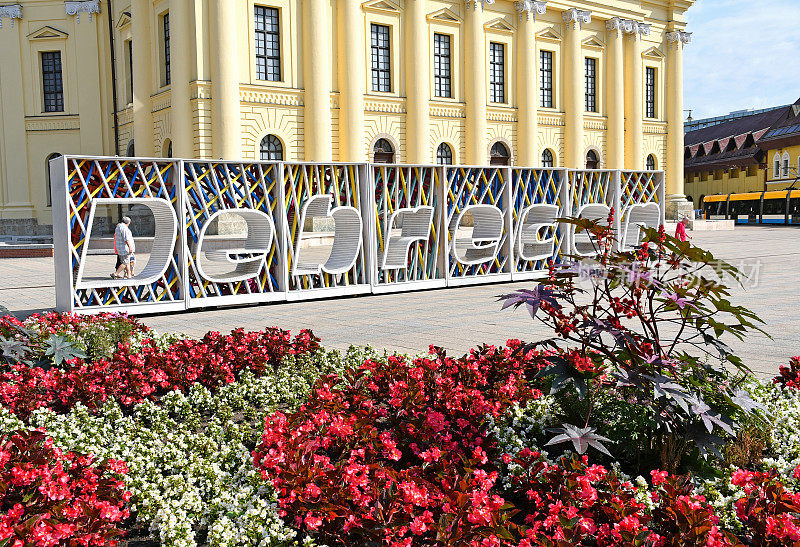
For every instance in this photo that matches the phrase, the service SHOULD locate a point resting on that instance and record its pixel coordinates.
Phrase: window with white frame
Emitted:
(547, 159)
(442, 70)
(786, 160)
(777, 163)
(271, 149)
(381, 59)
(497, 72)
(444, 154)
(268, 44)
(546, 78)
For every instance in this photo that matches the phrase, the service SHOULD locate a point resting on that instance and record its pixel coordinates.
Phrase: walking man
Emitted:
(124, 247)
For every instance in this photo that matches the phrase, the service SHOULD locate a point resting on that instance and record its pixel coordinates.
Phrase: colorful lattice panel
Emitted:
(233, 251)
(478, 224)
(538, 197)
(326, 224)
(83, 188)
(407, 228)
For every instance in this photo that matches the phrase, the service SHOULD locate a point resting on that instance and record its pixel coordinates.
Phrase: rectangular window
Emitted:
(497, 72)
(129, 66)
(52, 82)
(546, 78)
(441, 66)
(650, 92)
(167, 68)
(381, 59)
(591, 84)
(268, 44)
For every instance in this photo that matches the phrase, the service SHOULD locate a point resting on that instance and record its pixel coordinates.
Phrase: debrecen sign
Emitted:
(306, 230)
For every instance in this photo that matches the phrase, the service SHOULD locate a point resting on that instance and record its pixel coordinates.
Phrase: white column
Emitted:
(574, 87)
(475, 92)
(316, 80)
(225, 112)
(418, 149)
(674, 167)
(142, 78)
(615, 94)
(182, 44)
(352, 81)
(528, 83)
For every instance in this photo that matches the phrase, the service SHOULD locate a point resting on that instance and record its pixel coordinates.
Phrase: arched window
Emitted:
(786, 160)
(547, 158)
(271, 149)
(131, 150)
(499, 154)
(592, 161)
(650, 163)
(444, 154)
(47, 177)
(383, 151)
(166, 148)
(777, 162)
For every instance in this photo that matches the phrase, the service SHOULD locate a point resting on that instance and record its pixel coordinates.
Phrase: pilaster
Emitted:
(89, 101)
(476, 83)
(634, 98)
(225, 110)
(676, 202)
(528, 82)
(16, 197)
(352, 81)
(417, 83)
(316, 78)
(182, 48)
(142, 78)
(615, 94)
(574, 86)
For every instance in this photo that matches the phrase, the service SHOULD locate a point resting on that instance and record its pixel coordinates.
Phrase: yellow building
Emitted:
(756, 153)
(537, 83)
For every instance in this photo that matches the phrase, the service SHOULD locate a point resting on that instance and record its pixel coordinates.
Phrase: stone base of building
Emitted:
(677, 207)
(24, 227)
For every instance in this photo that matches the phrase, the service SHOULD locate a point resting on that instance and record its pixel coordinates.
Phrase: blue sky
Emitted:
(744, 54)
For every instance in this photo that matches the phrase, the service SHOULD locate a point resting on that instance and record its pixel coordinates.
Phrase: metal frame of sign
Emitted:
(395, 227)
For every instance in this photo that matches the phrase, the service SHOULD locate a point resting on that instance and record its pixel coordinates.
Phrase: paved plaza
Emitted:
(460, 318)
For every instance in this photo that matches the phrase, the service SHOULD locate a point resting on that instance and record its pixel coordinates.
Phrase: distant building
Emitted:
(702, 123)
(753, 153)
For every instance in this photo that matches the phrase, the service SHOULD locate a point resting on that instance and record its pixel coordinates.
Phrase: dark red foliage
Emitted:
(789, 376)
(770, 513)
(51, 498)
(132, 376)
(396, 453)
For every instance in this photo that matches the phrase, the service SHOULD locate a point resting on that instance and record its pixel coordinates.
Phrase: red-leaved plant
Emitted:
(50, 498)
(770, 513)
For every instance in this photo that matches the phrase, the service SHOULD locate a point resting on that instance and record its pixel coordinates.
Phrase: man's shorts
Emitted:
(124, 259)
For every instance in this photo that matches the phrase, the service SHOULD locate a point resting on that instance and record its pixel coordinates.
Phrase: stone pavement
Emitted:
(460, 318)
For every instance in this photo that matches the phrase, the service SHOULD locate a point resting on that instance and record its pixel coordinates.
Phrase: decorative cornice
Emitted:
(628, 26)
(679, 38)
(52, 123)
(575, 17)
(72, 7)
(385, 106)
(528, 8)
(448, 110)
(271, 96)
(501, 114)
(555, 119)
(161, 101)
(11, 11)
(655, 128)
(475, 3)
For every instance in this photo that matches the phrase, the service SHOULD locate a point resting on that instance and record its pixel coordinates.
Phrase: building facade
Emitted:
(755, 153)
(561, 83)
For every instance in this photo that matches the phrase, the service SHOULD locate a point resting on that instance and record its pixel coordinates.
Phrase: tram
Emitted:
(770, 207)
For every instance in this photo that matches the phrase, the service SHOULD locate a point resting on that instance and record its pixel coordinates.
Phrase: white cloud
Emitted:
(742, 55)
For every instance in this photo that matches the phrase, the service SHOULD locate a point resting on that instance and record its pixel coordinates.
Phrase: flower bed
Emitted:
(111, 433)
